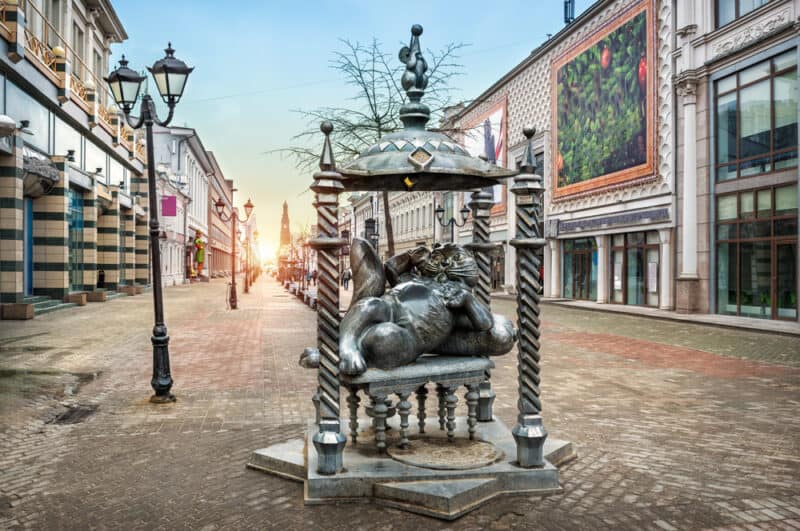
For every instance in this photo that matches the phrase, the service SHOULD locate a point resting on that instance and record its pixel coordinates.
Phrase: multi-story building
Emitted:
(599, 93)
(72, 193)
(174, 203)
(736, 125)
(181, 151)
(219, 238)
(412, 220)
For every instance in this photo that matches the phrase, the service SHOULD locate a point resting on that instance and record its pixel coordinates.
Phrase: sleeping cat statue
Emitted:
(429, 308)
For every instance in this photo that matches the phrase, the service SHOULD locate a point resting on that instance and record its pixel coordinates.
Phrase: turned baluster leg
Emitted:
(451, 400)
(472, 408)
(404, 408)
(422, 394)
(380, 410)
(352, 401)
(440, 393)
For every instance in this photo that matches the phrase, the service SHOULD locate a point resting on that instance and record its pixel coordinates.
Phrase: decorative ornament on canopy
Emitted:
(415, 158)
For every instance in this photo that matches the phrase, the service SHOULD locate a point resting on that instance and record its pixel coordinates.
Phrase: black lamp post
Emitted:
(452, 222)
(170, 75)
(234, 217)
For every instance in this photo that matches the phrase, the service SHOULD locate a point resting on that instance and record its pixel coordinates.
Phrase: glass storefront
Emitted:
(635, 268)
(75, 240)
(756, 253)
(580, 269)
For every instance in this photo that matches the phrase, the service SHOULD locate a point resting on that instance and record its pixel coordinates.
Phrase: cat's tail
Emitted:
(369, 279)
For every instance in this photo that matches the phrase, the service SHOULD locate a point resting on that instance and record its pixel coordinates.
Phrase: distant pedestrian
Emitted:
(346, 278)
(314, 276)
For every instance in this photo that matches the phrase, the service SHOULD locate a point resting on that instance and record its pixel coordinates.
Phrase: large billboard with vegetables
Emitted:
(604, 103)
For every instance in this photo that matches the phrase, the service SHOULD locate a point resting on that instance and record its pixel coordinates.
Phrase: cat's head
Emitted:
(451, 262)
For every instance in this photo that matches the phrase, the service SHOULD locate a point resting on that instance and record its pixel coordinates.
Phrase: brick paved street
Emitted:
(677, 426)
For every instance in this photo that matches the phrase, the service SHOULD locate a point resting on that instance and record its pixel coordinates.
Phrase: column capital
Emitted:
(687, 89)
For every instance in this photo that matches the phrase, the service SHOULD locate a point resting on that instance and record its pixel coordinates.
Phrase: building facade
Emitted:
(735, 68)
(181, 151)
(73, 198)
(219, 237)
(174, 203)
(412, 220)
(600, 95)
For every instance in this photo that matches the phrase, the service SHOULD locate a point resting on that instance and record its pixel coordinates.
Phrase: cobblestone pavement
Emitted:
(677, 426)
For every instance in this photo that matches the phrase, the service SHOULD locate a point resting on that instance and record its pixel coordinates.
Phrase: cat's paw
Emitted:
(309, 359)
(352, 363)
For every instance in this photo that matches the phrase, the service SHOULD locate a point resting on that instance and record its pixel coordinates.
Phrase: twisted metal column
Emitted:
(481, 206)
(529, 433)
(329, 441)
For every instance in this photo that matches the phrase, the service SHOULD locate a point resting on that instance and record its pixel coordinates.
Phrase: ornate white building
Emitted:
(610, 204)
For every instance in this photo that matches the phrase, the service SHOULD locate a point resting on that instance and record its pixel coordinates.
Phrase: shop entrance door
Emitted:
(582, 275)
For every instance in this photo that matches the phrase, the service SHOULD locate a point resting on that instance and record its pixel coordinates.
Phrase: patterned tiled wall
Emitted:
(51, 238)
(128, 244)
(11, 259)
(89, 240)
(108, 241)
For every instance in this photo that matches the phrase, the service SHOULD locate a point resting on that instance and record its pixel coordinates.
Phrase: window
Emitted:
(635, 268)
(24, 107)
(96, 161)
(52, 12)
(730, 10)
(756, 119)
(77, 50)
(66, 139)
(539, 158)
(756, 242)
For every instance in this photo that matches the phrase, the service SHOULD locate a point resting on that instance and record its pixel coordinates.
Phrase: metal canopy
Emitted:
(414, 158)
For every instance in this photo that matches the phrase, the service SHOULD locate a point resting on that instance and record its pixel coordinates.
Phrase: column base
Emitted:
(686, 290)
(330, 447)
(529, 434)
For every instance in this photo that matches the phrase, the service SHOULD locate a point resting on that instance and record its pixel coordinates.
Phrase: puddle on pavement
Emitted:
(75, 414)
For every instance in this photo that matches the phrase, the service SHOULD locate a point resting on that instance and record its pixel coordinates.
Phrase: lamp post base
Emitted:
(163, 399)
(529, 434)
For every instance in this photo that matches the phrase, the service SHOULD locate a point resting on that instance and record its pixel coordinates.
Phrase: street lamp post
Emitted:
(234, 218)
(452, 222)
(170, 75)
(247, 263)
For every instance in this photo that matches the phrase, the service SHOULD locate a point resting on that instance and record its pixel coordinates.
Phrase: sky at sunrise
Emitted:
(258, 61)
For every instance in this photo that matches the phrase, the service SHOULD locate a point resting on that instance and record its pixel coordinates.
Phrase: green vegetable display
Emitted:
(602, 106)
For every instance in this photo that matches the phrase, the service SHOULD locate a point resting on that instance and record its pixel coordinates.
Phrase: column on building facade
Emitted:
(555, 268)
(546, 260)
(51, 238)
(689, 203)
(687, 280)
(142, 249)
(89, 240)
(665, 269)
(602, 268)
(11, 225)
(108, 242)
(128, 244)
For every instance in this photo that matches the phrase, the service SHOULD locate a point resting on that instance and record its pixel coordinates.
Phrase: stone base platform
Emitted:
(424, 487)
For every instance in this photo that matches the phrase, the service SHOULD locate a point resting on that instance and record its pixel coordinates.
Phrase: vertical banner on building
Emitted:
(169, 206)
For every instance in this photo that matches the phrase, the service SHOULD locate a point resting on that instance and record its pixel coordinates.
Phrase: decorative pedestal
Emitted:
(443, 469)
(445, 493)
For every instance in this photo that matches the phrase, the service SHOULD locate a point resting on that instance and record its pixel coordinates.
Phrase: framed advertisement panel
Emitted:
(604, 106)
(488, 137)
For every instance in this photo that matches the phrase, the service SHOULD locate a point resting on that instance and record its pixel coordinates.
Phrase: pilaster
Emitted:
(51, 238)
(602, 268)
(108, 241)
(11, 224)
(89, 240)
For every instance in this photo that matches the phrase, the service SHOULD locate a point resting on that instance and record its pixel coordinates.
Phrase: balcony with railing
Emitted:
(50, 53)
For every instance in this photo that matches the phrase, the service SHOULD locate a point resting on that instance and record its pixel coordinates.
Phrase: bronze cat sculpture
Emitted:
(429, 308)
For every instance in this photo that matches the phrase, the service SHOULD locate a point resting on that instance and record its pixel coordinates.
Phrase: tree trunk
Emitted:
(388, 224)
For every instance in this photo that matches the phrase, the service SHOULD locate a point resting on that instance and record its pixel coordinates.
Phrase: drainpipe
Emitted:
(187, 201)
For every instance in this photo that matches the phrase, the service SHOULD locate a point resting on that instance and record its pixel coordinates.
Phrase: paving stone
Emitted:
(676, 425)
